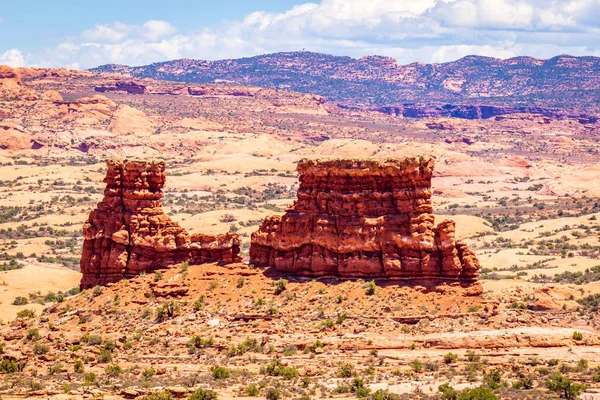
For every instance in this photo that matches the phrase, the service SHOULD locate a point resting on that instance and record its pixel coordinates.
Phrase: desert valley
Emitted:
(190, 239)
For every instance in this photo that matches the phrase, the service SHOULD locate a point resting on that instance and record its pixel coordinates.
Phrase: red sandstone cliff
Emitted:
(128, 233)
(364, 218)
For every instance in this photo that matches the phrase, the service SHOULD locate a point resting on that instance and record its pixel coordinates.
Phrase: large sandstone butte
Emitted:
(128, 233)
(364, 218)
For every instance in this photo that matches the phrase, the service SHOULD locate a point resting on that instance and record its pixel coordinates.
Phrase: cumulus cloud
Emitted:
(409, 30)
(106, 33)
(12, 57)
(154, 30)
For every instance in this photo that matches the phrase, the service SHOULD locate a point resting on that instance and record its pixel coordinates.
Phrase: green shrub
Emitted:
(345, 370)
(450, 358)
(219, 372)
(276, 368)
(280, 286)
(370, 288)
(273, 394)
(148, 373)
(577, 336)
(199, 303)
(493, 378)
(524, 382)
(90, 378)
(242, 348)
(78, 368)
(358, 388)
(480, 393)
(417, 365)
(472, 357)
(203, 394)
(8, 366)
(164, 395)
(252, 390)
(104, 357)
(56, 369)
(197, 342)
(109, 345)
(113, 370)
(97, 291)
(33, 334)
(288, 351)
(381, 394)
(167, 309)
(20, 301)
(448, 392)
(94, 340)
(74, 291)
(564, 387)
(40, 349)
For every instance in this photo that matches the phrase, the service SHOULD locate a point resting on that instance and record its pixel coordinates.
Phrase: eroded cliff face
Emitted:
(128, 233)
(364, 218)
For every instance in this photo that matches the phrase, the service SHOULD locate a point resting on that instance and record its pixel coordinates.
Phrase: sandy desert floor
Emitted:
(522, 191)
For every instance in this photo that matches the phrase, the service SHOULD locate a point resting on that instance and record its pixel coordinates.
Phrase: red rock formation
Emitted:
(364, 218)
(128, 233)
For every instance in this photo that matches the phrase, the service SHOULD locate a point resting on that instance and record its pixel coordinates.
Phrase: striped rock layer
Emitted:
(364, 218)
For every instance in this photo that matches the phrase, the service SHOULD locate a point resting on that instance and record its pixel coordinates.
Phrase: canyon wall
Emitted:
(128, 233)
(364, 218)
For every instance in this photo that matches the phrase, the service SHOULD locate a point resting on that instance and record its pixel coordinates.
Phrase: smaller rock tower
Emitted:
(128, 233)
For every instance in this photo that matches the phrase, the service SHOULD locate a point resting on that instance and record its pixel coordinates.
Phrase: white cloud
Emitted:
(157, 29)
(107, 33)
(410, 30)
(12, 57)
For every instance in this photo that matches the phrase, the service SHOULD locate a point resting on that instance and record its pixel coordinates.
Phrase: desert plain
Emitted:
(521, 189)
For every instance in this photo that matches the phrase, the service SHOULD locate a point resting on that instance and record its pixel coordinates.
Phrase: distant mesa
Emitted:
(562, 84)
(365, 218)
(133, 87)
(129, 233)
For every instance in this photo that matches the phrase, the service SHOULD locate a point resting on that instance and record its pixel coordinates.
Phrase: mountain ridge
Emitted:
(380, 81)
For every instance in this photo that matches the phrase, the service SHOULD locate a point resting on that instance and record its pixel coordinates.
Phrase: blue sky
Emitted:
(44, 23)
(83, 34)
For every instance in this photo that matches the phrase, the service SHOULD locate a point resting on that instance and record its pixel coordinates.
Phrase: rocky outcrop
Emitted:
(128, 120)
(364, 218)
(477, 112)
(9, 78)
(130, 87)
(128, 233)
(14, 137)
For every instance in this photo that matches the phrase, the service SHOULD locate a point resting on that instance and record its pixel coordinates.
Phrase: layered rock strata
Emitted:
(128, 233)
(364, 218)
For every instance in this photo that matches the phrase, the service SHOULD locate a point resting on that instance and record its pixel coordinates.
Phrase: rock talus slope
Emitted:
(128, 233)
(364, 218)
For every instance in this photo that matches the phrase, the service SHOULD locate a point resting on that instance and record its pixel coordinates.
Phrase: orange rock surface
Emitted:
(128, 233)
(364, 218)
(9, 78)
